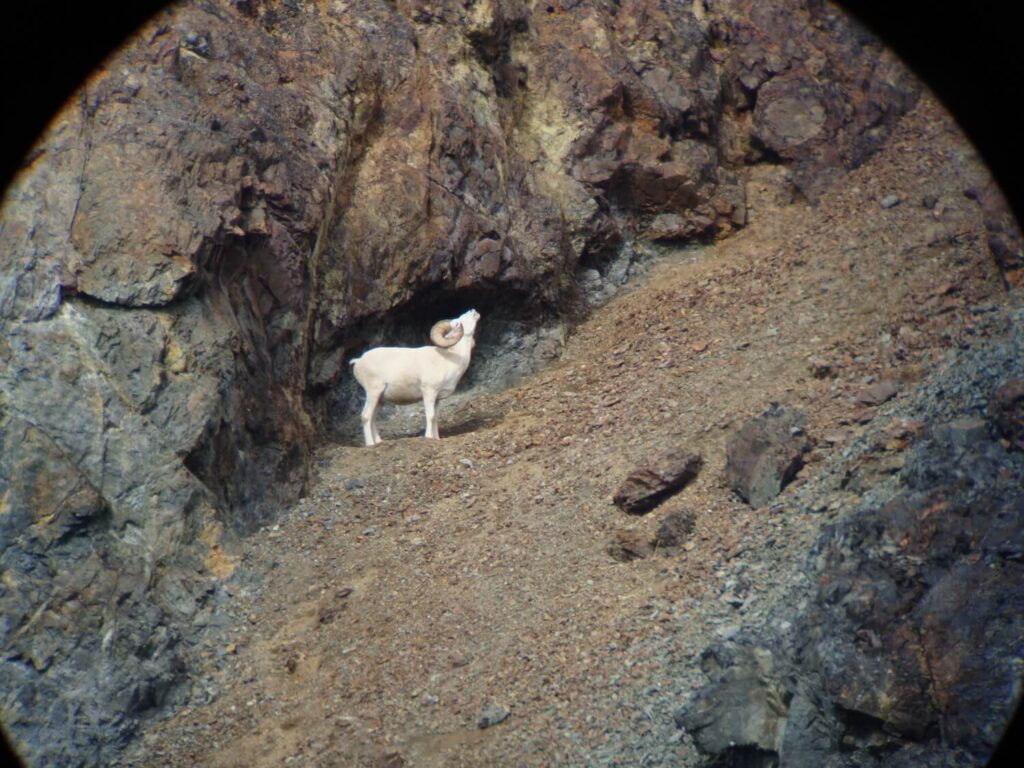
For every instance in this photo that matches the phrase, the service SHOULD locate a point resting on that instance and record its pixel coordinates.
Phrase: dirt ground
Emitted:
(423, 584)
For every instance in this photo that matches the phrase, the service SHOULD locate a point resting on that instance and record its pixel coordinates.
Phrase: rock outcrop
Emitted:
(906, 648)
(250, 191)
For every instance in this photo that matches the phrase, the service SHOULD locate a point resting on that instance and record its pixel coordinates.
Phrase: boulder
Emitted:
(764, 455)
(743, 712)
(654, 481)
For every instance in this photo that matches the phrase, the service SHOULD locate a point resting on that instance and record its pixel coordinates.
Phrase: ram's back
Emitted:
(398, 369)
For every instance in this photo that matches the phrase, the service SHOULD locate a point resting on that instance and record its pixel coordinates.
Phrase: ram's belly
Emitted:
(403, 391)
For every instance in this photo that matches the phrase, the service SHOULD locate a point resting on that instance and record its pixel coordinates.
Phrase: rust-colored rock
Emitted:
(675, 530)
(878, 393)
(652, 482)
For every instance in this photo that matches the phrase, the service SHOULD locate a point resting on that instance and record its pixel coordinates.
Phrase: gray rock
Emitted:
(964, 433)
(889, 201)
(492, 715)
(1008, 410)
(764, 455)
(742, 712)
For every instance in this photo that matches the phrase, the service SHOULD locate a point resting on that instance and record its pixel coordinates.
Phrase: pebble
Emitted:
(492, 715)
(728, 631)
(889, 201)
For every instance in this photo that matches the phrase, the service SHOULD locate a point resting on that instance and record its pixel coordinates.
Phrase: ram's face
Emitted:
(468, 320)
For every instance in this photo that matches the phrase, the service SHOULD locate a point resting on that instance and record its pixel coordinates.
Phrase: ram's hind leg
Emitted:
(370, 434)
(430, 412)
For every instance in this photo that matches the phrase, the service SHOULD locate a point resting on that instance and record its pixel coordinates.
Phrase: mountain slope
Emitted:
(422, 585)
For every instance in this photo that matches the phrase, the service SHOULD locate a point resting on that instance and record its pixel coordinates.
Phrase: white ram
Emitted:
(406, 375)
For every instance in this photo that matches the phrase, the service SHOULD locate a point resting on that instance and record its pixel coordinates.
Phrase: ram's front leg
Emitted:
(430, 413)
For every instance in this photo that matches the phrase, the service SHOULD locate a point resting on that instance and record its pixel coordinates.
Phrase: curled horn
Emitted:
(438, 334)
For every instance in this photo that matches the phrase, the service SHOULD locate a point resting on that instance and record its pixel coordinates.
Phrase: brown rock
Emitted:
(764, 455)
(1007, 408)
(878, 393)
(675, 530)
(626, 546)
(651, 483)
(820, 368)
(387, 760)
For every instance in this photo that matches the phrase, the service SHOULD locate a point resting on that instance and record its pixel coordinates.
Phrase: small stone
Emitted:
(864, 415)
(1008, 411)
(834, 438)
(627, 546)
(675, 530)
(889, 201)
(353, 483)
(878, 393)
(389, 760)
(728, 631)
(492, 715)
(820, 368)
(964, 433)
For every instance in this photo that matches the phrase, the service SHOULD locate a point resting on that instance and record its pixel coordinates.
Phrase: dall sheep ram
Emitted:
(405, 375)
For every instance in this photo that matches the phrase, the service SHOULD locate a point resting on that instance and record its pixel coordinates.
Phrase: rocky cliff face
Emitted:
(248, 192)
(904, 648)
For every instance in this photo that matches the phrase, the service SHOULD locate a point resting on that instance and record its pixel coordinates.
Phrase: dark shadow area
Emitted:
(48, 48)
(971, 59)
(7, 755)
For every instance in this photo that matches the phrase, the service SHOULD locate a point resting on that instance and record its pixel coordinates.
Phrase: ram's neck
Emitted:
(464, 346)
